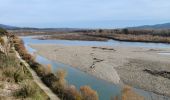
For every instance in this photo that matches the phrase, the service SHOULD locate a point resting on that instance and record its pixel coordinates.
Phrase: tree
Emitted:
(100, 30)
(125, 31)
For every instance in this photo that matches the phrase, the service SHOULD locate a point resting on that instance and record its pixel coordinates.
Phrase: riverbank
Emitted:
(72, 36)
(149, 36)
(127, 65)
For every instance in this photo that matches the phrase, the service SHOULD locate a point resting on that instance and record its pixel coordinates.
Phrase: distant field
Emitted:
(158, 36)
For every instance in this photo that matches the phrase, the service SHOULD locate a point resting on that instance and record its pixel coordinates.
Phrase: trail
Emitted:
(37, 80)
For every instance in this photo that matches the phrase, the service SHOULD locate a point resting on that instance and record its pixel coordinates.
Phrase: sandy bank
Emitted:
(118, 64)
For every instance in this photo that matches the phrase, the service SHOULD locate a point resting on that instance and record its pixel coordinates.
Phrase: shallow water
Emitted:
(164, 53)
(78, 78)
(29, 39)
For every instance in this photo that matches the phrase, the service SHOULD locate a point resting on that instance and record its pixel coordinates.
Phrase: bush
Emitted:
(2, 42)
(56, 81)
(61, 74)
(7, 61)
(128, 93)
(88, 94)
(19, 76)
(48, 69)
(125, 31)
(2, 31)
(9, 72)
(28, 89)
(73, 93)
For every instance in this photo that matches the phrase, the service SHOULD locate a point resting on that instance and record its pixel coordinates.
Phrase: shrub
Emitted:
(125, 31)
(88, 94)
(56, 81)
(73, 93)
(2, 42)
(19, 76)
(61, 74)
(9, 71)
(2, 31)
(28, 89)
(40, 70)
(129, 94)
(48, 69)
(7, 61)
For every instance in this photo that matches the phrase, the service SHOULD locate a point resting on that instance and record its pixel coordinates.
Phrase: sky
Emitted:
(83, 13)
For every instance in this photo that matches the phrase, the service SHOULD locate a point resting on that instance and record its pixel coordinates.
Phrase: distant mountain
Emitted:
(8, 27)
(157, 26)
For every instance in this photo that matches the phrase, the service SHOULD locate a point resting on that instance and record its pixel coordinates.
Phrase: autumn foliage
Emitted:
(88, 94)
(56, 81)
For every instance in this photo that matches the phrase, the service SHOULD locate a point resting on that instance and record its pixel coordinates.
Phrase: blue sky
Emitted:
(84, 13)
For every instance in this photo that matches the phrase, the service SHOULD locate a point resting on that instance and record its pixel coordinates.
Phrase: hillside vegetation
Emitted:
(16, 82)
(55, 81)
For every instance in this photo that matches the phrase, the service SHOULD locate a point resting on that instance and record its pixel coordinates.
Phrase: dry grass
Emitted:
(17, 75)
(29, 90)
(13, 73)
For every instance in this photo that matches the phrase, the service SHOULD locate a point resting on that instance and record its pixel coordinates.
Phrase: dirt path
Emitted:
(38, 81)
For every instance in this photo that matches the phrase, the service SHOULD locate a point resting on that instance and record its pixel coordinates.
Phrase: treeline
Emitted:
(163, 32)
(131, 35)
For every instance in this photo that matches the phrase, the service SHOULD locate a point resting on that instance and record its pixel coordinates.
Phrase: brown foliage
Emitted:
(2, 42)
(129, 94)
(55, 81)
(88, 94)
(48, 69)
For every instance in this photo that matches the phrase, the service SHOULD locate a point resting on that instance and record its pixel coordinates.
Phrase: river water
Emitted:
(105, 90)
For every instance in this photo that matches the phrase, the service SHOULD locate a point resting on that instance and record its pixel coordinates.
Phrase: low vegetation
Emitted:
(158, 36)
(2, 31)
(128, 93)
(133, 35)
(29, 89)
(56, 81)
(2, 42)
(88, 94)
(73, 36)
(12, 77)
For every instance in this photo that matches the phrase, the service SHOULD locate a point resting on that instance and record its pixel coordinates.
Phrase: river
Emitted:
(78, 78)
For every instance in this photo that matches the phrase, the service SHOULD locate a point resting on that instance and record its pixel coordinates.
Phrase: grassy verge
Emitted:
(56, 81)
(16, 81)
